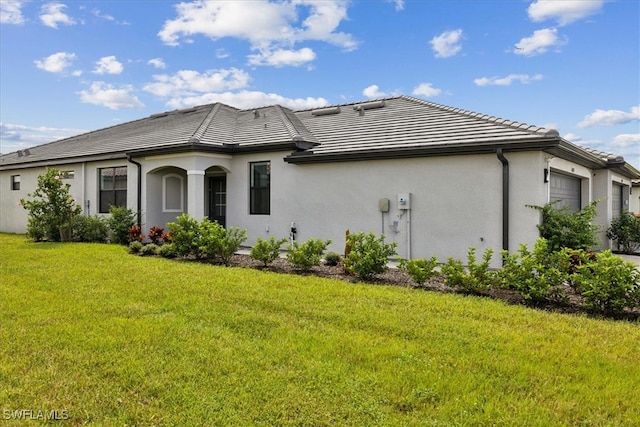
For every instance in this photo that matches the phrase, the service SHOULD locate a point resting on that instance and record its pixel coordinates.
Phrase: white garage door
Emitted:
(566, 190)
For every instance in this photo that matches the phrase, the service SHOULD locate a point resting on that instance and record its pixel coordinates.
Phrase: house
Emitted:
(432, 178)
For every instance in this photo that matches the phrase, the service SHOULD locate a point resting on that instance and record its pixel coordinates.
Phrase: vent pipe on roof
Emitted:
(256, 114)
(368, 106)
(325, 111)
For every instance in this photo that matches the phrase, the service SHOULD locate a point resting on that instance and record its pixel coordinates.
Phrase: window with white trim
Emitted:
(15, 182)
(113, 187)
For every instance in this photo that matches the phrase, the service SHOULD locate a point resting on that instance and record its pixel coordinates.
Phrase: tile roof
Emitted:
(400, 126)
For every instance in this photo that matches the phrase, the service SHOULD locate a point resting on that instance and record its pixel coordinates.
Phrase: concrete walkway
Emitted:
(633, 258)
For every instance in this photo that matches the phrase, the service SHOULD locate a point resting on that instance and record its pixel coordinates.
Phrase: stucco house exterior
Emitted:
(432, 178)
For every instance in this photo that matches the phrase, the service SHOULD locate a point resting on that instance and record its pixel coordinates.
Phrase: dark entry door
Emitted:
(218, 199)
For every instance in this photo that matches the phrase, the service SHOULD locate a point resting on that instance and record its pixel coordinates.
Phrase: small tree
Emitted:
(625, 230)
(120, 221)
(565, 229)
(52, 210)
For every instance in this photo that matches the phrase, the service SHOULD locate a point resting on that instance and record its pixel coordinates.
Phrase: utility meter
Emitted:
(404, 201)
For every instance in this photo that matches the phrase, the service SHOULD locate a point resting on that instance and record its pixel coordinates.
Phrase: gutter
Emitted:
(139, 212)
(505, 199)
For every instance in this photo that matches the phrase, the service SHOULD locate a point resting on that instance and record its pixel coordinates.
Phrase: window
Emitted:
(113, 187)
(15, 182)
(172, 193)
(260, 188)
(67, 174)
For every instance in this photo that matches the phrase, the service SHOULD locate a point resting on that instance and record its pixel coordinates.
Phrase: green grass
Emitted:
(114, 339)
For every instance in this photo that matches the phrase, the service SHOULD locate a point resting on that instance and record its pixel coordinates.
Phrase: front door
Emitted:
(218, 199)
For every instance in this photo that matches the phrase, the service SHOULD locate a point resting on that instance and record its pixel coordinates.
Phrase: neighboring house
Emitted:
(434, 179)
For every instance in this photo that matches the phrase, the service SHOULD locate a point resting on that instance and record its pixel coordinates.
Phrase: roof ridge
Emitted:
(492, 119)
(199, 132)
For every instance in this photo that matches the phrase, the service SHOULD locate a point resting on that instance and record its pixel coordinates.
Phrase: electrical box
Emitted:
(383, 205)
(404, 201)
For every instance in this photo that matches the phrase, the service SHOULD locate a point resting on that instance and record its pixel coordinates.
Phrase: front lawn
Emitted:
(106, 338)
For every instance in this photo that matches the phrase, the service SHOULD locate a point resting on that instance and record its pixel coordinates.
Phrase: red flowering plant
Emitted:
(166, 237)
(135, 234)
(156, 235)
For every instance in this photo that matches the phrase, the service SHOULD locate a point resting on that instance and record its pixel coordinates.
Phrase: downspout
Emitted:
(139, 212)
(505, 199)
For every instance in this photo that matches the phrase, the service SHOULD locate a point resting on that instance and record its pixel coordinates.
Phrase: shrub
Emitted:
(228, 245)
(135, 234)
(476, 278)
(186, 236)
(89, 229)
(332, 259)
(537, 276)
(626, 231)
(121, 219)
(267, 251)
(419, 269)
(155, 235)
(565, 229)
(368, 255)
(149, 250)
(608, 284)
(167, 251)
(52, 210)
(306, 255)
(135, 247)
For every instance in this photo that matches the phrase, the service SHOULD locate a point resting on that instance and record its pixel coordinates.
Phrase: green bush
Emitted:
(167, 250)
(608, 284)
(121, 219)
(304, 256)
(626, 231)
(476, 278)
(52, 209)
(419, 269)
(332, 259)
(228, 245)
(563, 228)
(149, 250)
(89, 229)
(135, 247)
(267, 251)
(537, 276)
(186, 236)
(368, 255)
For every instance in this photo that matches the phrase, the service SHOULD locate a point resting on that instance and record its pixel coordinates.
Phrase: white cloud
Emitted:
(111, 97)
(268, 26)
(507, 80)
(56, 63)
(282, 57)
(610, 117)
(627, 140)
(399, 4)
(16, 137)
(248, 99)
(51, 14)
(373, 91)
(187, 83)
(11, 12)
(157, 63)
(539, 42)
(447, 44)
(564, 11)
(427, 90)
(108, 65)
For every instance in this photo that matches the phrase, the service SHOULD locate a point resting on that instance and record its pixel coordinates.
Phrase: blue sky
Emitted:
(68, 67)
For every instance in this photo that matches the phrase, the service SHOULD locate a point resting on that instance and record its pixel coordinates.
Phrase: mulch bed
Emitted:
(397, 277)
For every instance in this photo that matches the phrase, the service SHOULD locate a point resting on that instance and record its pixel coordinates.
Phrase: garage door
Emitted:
(616, 201)
(566, 190)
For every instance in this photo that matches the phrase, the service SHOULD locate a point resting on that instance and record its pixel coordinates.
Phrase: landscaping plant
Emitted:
(120, 220)
(566, 229)
(609, 284)
(538, 276)
(368, 255)
(89, 229)
(267, 251)
(420, 269)
(51, 209)
(476, 278)
(625, 230)
(304, 256)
